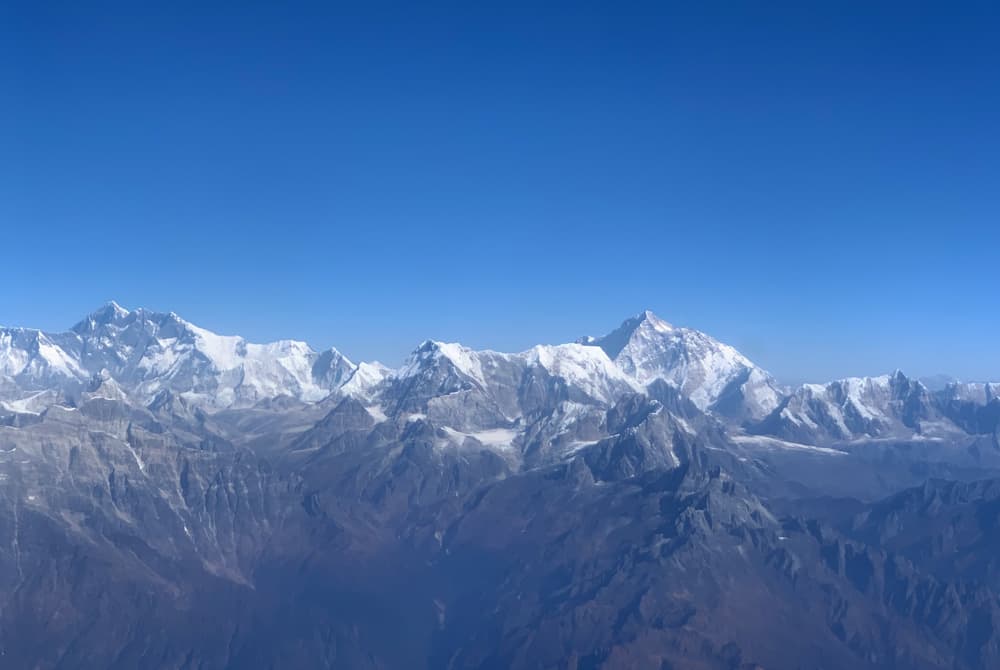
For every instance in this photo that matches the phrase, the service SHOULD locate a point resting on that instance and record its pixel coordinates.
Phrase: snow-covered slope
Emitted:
(366, 378)
(530, 408)
(980, 393)
(491, 389)
(715, 376)
(585, 368)
(858, 408)
(547, 395)
(35, 359)
(146, 352)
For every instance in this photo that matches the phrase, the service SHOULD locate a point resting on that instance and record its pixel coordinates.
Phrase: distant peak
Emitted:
(113, 309)
(115, 305)
(426, 350)
(431, 352)
(647, 316)
(449, 350)
(618, 339)
(109, 312)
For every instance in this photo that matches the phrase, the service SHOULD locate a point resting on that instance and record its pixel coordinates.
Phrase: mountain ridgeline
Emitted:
(647, 499)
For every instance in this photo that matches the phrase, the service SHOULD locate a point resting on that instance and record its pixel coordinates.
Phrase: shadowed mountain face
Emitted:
(651, 499)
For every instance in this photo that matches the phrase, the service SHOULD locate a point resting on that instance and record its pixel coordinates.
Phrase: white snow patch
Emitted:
(377, 413)
(774, 443)
(585, 367)
(366, 377)
(494, 437)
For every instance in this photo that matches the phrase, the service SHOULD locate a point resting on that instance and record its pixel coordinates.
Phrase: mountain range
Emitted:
(648, 498)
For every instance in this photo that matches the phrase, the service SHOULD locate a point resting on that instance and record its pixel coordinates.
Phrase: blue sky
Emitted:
(815, 183)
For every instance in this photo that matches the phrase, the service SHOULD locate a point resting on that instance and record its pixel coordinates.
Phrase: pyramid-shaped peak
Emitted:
(108, 313)
(431, 351)
(113, 307)
(647, 317)
(614, 342)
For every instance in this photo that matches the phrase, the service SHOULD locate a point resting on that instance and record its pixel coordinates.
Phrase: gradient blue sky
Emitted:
(815, 183)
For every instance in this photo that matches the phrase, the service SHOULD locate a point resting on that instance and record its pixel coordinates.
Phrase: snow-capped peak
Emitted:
(465, 360)
(365, 379)
(981, 393)
(146, 352)
(614, 342)
(226, 370)
(713, 374)
(108, 313)
(585, 367)
(855, 407)
(646, 317)
(33, 356)
(116, 308)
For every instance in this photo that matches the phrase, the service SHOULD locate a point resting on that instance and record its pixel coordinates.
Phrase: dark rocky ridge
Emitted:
(489, 510)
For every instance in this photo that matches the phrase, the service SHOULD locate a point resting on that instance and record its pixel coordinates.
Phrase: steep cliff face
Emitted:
(576, 506)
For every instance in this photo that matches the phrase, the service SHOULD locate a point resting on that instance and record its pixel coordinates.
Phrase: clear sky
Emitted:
(817, 183)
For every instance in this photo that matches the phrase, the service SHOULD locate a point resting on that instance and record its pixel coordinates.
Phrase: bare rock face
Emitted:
(172, 498)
